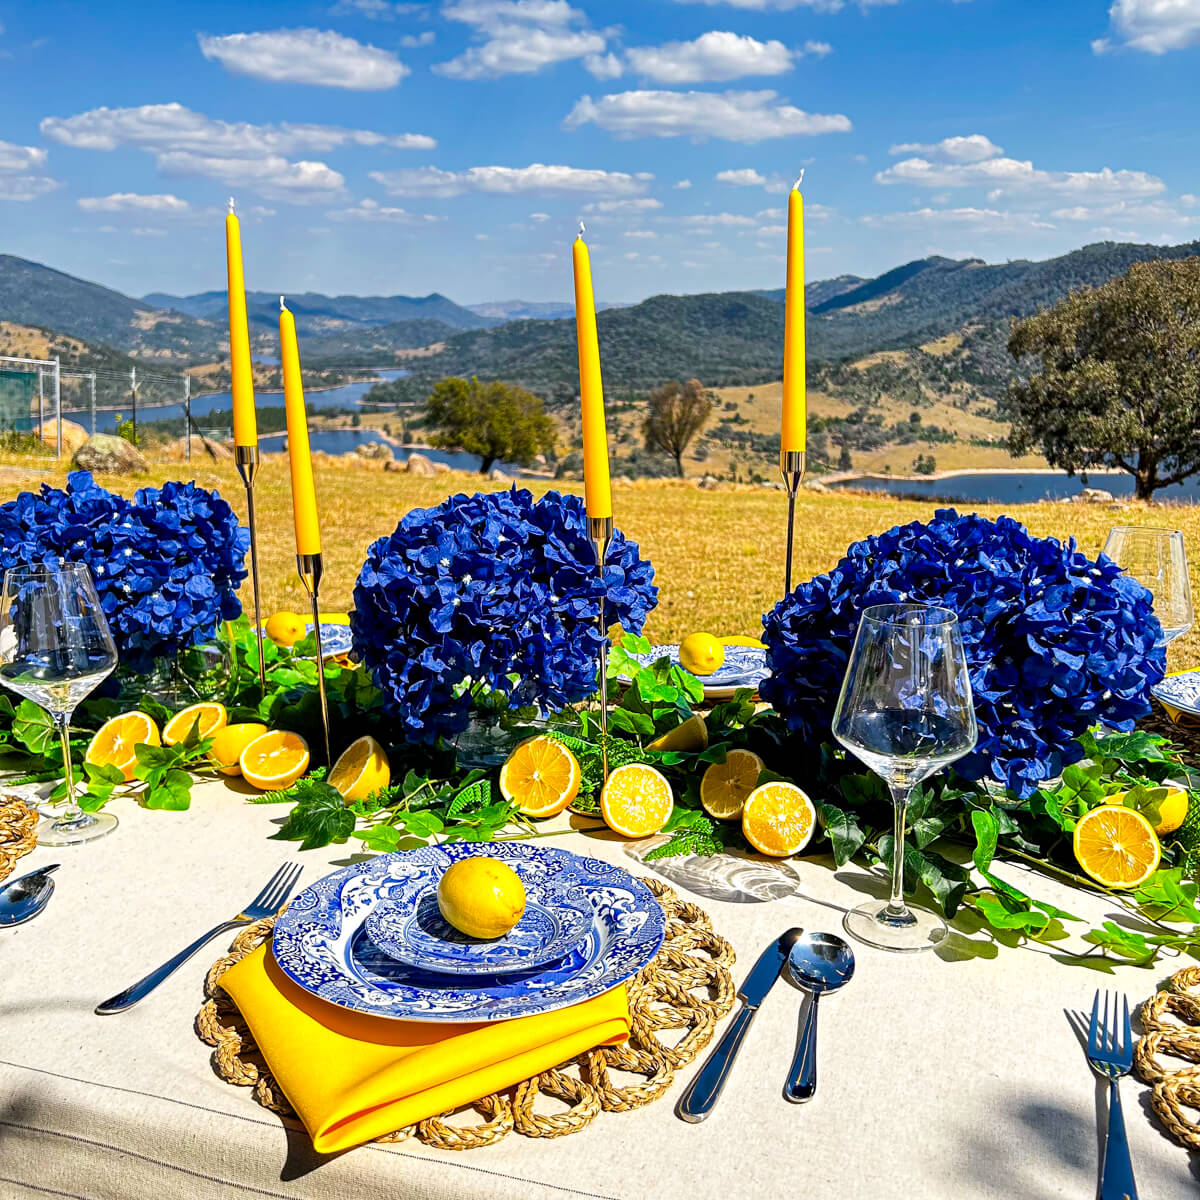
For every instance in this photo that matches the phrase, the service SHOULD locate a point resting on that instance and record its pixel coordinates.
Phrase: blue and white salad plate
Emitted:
(411, 927)
(1180, 691)
(321, 942)
(744, 667)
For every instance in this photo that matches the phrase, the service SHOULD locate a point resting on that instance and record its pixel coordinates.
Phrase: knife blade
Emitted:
(705, 1090)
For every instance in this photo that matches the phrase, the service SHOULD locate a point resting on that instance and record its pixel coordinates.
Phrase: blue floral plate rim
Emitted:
(321, 944)
(413, 931)
(1181, 691)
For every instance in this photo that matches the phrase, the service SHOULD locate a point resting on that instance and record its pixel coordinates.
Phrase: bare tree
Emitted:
(678, 411)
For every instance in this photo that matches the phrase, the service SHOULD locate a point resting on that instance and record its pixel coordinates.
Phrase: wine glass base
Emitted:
(59, 831)
(914, 930)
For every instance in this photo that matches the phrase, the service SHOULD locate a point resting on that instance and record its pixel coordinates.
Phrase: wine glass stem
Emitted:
(73, 812)
(900, 794)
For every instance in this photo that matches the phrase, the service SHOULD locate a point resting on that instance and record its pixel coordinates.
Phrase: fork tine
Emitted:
(1094, 1028)
(262, 896)
(1109, 1028)
(1127, 1048)
(280, 891)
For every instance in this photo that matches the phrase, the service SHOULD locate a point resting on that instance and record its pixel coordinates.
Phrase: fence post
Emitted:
(133, 400)
(93, 391)
(58, 404)
(41, 405)
(187, 413)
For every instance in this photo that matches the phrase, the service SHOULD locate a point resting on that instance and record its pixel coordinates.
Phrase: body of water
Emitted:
(1014, 487)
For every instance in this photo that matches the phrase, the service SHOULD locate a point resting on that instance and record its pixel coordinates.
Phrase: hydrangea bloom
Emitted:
(166, 564)
(1055, 642)
(493, 588)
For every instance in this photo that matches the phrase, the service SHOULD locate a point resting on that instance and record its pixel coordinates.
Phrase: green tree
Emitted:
(678, 411)
(494, 420)
(1119, 384)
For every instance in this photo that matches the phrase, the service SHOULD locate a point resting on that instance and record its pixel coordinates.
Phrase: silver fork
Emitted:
(266, 904)
(1110, 1055)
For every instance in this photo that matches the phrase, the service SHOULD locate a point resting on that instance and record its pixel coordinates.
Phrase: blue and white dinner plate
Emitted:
(336, 637)
(411, 927)
(1180, 691)
(744, 667)
(321, 943)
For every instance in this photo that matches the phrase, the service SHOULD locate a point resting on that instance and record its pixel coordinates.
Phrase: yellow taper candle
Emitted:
(245, 424)
(793, 431)
(596, 487)
(304, 492)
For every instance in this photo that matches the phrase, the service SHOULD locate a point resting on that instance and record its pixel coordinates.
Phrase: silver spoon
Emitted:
(818, 963)
(23, 898)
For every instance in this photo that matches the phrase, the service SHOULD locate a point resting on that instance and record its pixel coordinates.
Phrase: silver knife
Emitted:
(705, 1090)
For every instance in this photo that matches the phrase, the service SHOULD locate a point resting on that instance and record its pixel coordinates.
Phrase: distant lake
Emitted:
(1014, 487)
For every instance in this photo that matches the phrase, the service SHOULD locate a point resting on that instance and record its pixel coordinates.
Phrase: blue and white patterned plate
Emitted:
(1180, 691)
(336, 638)
(412, 929)
(744, 667)
(321, 944)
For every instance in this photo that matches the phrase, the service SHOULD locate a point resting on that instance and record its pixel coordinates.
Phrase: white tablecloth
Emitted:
(955, 1077)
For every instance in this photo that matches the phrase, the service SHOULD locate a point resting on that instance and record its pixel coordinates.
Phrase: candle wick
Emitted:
(282, 306)
(231, 204)
(582, 228)
(799, 181)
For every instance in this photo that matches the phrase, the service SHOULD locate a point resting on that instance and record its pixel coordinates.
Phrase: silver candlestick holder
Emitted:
(791, 467)
(246, 460)
(309, 567)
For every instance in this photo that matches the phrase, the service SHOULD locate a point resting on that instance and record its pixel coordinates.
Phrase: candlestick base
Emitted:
(246, 459)
(791, 467)
(600, 532)
(309, 567)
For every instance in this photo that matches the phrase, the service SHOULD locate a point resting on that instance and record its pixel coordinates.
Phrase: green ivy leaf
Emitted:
(845, 834)
(34, 728)
(320, 818)
(1169, 896)
(171, 791)
(1124, 943)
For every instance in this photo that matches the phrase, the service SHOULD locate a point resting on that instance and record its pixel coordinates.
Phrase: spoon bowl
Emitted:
(22, 899)
(817, 963)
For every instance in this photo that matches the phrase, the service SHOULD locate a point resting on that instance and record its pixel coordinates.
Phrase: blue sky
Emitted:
(381, 147)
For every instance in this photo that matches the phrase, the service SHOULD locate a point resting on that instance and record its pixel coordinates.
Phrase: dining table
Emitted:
(958, 1073)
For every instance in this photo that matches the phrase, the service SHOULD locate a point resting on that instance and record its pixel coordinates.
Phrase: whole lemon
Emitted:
(1171, 809)
(229, 742)
(481, 897)
(285, 628)
(701, 653)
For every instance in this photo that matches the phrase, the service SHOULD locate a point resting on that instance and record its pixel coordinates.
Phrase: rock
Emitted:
(813, 485)
(392, 465)
(419, 464)
(1091, 495)
(709, 483)
(374, 450)
(498, 476)
(73, 435)
(110, 455)
(441, 468)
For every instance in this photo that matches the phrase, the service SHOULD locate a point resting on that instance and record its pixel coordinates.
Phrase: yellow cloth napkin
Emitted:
(352, 1077)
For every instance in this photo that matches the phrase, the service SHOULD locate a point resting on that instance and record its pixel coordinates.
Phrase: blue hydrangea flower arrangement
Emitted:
(1054, 641)
(167, 564)
(495, 589)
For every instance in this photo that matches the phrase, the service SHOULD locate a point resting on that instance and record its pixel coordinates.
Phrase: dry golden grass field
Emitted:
(718, 554)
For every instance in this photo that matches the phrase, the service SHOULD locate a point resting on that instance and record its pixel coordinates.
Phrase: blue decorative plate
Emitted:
(335, 639)
(1180, 691)
(744, 667)
(412, 929)
(321, 944)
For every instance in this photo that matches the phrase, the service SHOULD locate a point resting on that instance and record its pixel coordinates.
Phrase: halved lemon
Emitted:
(541, 777)
(212, 716)
(778, 819)
(1116, 846)
(725, 786)
(275, 760)
(362, 768)
(636, 800)
(229, 742)
(691, 735)
(739, 639)
(113, 743)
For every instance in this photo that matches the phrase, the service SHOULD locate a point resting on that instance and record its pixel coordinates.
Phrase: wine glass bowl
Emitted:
(906, 711)
(55, 648)
(1157, 559)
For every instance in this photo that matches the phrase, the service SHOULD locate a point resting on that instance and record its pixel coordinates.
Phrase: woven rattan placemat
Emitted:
(18, 832)
(1170, 1042)
(682, 993)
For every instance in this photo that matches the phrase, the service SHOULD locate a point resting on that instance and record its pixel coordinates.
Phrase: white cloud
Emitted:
(786, 5)
(683, 185)
(1154, 26)
(640, 233)
(707, 220)
(21, 158)
(314, 56)
(372, 210)
(749, 177)
(26, 187)
(539, 217)
(519, 37)
(604, 66)
(982, 220)
(1159, 212)
(973, 147)
(771, 230)
(375, 10)
(413, 41)
(817, 49)
(134, 202)
(537, 177)
(272, 175)
(710, 58)
(1006, 175)
(734, 116)
(21, 175)
(635, 204)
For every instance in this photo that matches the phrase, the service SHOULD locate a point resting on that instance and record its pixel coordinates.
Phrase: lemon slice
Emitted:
(541, 777)
(691, 735)
(778, 819)
(275, 760)
(725, 786)
(636, 800)
(1116, 846)
(113, 744)
(212, 716)
(362, 768)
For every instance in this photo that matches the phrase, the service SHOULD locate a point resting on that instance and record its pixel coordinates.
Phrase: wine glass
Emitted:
(906, 711)
(55, 647)
(1157, 560)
